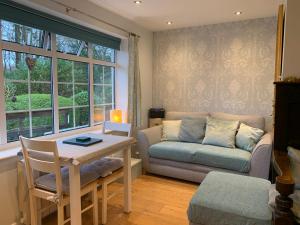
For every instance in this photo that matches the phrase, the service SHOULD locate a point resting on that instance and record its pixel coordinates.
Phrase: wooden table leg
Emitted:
(127, 180)
(75, 194)
(283, 214)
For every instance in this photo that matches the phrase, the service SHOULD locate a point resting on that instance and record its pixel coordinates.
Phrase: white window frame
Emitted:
(54, 55)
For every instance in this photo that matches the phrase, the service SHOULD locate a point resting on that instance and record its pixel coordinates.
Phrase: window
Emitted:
(17, 33)
(73, 94)
(103, 53)
(103, 91)
(28, 96)
(29, 82)
(71, 46)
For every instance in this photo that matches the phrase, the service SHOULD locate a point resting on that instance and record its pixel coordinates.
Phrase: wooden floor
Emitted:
(155, 201)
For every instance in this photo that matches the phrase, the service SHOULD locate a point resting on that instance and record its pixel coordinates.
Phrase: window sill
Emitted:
(9, 153)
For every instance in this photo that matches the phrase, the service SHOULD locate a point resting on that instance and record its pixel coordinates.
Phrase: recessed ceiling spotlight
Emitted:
(137, 2)
(238, 13)
(169, 22)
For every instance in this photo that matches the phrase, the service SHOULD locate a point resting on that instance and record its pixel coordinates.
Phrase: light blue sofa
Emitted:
(192, 161)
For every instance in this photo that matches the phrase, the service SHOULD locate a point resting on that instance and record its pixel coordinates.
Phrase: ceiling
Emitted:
(153, 14)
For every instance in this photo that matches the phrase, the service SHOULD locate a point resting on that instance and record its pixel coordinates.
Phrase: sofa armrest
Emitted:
(146, 138)
(261, 157)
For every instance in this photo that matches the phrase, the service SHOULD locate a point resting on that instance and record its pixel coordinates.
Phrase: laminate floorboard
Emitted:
(155, 201)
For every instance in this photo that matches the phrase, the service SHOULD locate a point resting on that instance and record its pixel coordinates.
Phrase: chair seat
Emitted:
(88, 173)
(224, 198)
(106, 166)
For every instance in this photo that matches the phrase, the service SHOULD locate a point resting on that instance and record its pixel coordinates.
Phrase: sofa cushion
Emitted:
(250, 120)
(192, 130)
(181, 115)
(220, 132)
(209, 155)
(247, 137)
(203, 169)
(170, 130)
(225, 198)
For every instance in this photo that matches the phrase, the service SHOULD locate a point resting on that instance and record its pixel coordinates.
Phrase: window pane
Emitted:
(107, 111)
(41, 70)
(81, 95)
(108, 98)
(71, 46)
(98, 74)
(18, 66)
(24, 35)
(102, 113)
(41, 123)
(82, 116)
(14, 65)
(99, 114)
(27, 92)
(16, 96)
(103, 89)
(41, 96)
(66, 119)
(64, 70)
(65, 95)
(73, 92)
(98, 94)
(81, 73)
(17, 124)
(108, 74)
(103, 53)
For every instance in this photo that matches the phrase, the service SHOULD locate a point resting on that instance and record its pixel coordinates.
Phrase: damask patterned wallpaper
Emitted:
(224, 67)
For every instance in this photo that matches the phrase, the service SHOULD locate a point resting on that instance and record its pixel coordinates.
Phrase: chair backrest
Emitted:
(41, 156)
(121, 127)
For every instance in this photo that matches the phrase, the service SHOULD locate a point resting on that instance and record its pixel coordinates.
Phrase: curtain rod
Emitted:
(69, 8)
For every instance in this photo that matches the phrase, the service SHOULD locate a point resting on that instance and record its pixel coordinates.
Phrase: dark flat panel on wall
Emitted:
(287, 116)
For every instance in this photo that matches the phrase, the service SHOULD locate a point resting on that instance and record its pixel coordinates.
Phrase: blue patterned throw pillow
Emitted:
(247, 137)
(220, 132)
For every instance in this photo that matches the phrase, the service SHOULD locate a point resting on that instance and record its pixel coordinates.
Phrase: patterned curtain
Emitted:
(134, 84)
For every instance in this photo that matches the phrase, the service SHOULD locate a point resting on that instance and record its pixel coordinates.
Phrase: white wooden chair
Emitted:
(116, 174)
(42, 156)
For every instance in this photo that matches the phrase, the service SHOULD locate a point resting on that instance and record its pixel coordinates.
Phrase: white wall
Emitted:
(8, 174)
(8, 196)
(291, 51)
(8, 191)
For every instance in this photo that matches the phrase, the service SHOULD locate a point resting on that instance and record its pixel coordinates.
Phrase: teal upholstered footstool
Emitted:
(229, 199)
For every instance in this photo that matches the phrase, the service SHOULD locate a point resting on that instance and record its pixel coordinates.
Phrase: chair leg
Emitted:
(104, 203)
(39, 213)
(60, 214)
(95, 208)
(67, 211)
(33, 209)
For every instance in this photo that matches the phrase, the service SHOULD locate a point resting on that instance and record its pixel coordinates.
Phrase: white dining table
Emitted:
(74, 156)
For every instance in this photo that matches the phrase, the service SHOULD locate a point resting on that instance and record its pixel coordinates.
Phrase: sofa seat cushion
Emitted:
(225, 198)
(190, 166)
(209, 155)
